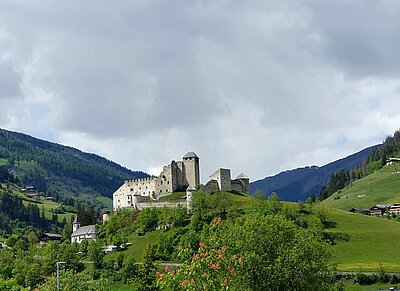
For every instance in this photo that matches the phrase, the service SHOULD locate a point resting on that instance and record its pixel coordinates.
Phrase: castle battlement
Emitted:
(141, 179)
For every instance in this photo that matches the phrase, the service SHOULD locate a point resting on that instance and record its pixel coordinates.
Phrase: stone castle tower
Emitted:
(192, 169)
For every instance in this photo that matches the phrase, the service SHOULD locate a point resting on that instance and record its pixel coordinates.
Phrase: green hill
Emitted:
(372, 242)
(59, 171)
(21, 214)
(361, 243)
(380, 187)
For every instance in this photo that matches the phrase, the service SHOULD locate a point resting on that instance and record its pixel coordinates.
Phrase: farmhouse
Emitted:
(47, 237)
(378, 210)
(395, 209)
(391, 161)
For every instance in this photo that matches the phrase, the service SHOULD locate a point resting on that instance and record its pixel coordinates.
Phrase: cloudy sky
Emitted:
(257, 86)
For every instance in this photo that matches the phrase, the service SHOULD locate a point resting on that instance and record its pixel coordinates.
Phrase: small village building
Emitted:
(106, 217)
(378, 210)
(395, 209)
(391, 161)
(360, 211)
(30, 192)
(48, 237)
(110, 249)
(80, 234)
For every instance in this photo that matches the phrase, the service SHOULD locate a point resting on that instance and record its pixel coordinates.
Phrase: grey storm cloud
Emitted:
(259, 86)
(9, 80)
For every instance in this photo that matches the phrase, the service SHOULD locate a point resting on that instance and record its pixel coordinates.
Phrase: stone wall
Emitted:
(237, 186)
(223, 177)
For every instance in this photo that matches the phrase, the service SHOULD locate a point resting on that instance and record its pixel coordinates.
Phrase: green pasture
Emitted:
(373, 242)
(107, 202)
(357, 287)
(48, 205)
(28, 165)
(381, 187)
(138, 246)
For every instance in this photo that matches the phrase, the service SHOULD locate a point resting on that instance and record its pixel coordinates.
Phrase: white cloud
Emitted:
(256, 86)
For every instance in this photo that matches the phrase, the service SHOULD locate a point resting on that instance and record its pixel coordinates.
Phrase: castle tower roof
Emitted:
(242, 176)
(190, 188)
(190, 155)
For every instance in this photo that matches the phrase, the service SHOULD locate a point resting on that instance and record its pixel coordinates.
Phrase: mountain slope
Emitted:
(60, 171)
(380, 187)
(298, 184)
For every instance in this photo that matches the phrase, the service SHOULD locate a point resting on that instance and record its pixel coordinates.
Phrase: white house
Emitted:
(80, 234)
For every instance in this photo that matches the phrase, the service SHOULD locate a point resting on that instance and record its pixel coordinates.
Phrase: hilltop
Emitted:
(380, 187)
(297, 185)
(63, 172)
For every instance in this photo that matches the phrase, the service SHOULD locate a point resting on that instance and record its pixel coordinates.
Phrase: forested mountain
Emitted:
(298, 184)
(59, 171)
(390, 148)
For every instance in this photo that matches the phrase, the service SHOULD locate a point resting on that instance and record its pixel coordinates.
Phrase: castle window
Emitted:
(167, 182)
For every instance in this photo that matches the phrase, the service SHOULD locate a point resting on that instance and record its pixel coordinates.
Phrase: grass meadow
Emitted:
(373, 242)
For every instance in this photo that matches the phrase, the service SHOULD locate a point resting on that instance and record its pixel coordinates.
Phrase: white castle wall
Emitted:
(172, 178)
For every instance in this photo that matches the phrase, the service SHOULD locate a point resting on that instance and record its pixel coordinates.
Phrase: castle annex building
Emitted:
(177, 176)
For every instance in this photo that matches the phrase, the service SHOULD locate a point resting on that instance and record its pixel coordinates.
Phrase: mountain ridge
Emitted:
(61, 171)
(298, 184)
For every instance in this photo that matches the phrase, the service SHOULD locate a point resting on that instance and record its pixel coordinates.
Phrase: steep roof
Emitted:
(76, 220)
(190, 188)
(242, 176)
(51, 235)
(88, 229)
(190, 155)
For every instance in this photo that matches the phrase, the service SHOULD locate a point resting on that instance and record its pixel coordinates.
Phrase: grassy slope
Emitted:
(140, 242)
(373, 241)
(381, 187)
(41, 202)
(106, 202)
(138, 245)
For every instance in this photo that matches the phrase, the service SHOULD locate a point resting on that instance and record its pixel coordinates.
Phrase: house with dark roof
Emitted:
(48, 237)
(378, 210)
(80, 234)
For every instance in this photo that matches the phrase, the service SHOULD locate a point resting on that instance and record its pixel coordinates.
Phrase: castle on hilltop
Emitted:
(178, 176)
